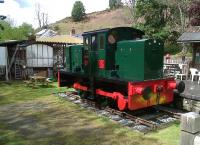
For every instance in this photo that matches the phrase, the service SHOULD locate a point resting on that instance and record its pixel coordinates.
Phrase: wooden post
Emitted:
(58, 76)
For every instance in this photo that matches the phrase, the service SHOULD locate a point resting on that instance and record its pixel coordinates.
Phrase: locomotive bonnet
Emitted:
(117, 66)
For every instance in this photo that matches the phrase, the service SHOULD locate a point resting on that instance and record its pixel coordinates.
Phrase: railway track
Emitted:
(144, 122)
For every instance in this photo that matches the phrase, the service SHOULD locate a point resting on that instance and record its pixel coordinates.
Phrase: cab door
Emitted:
(93, 55)
(101, 62)
(87, 47)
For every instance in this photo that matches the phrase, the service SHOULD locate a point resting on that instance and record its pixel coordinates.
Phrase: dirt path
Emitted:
(51, 121)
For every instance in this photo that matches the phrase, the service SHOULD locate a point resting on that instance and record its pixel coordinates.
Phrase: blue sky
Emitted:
(24, 10)
(23, 3)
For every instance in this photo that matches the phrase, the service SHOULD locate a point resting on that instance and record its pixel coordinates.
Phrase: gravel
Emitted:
(166, 119)
(104, 113)
(126, 122)
(115, 117)
(63, 95)
(141, 128)
(71, 98)
(77, 102)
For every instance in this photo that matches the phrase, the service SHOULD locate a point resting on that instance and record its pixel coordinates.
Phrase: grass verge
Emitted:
(34, 116)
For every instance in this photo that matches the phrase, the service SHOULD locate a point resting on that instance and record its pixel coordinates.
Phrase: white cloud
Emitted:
(56, 10)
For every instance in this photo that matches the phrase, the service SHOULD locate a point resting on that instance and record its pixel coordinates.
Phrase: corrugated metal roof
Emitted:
(46, 33)
(60, 39)
(12, 42)
(191, 34)
(193, 29)
(189, 37)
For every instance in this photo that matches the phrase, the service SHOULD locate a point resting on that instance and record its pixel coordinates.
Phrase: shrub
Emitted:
(115, 4)
(78, 11)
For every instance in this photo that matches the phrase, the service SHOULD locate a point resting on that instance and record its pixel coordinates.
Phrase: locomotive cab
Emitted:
(100, 47)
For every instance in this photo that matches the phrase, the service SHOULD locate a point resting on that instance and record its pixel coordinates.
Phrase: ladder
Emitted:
(18, 72)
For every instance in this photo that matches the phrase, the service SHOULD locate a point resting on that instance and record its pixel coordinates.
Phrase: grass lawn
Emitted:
(33, 116)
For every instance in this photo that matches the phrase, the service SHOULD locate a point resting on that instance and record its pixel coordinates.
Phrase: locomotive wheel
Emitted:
(83, 94)
(102, 101)
(112, 103)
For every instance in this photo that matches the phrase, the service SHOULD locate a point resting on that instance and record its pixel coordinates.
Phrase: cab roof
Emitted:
(111, 29)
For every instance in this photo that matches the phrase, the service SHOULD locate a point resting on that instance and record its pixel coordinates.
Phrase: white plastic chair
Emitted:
(194, 72)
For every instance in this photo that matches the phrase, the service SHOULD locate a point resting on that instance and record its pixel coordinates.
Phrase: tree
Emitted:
(41, 17)
(158, 21)
(113, 4)
(15, 33)
(78, 11)
(38, 14)
(194, 13)
(26, 30)
(180, 11)
(131, 4)
(155, 17)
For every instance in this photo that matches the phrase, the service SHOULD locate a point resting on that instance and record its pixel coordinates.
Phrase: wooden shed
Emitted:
(192, 36)
(43, 55)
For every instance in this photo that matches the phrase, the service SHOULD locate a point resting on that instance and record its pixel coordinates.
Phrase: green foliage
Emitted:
(15, 33)
(56, 28)
(172, 49)
(113, 4)
(158, 22)
(194, 13)
(152, 11)
(78, 11)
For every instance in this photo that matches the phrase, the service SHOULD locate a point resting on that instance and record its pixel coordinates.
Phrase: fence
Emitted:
(177, 60)
(175, 65)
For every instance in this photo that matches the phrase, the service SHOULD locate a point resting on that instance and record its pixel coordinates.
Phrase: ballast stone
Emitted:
(190, 122)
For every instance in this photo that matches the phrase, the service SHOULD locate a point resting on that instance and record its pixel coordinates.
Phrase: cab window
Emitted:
(101, 42)
(94, 42)
(86, 43)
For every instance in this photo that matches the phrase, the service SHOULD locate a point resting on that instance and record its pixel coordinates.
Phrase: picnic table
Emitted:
(38, 80)
(170, 69)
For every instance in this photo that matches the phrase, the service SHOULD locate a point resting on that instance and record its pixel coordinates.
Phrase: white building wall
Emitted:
(39, 55)
(3, 59)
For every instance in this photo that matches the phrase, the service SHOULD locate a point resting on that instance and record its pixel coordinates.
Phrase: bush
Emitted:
(115, 4)
(172, 49)
(78, 11)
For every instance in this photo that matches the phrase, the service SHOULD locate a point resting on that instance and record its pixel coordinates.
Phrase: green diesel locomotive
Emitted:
(118, 65)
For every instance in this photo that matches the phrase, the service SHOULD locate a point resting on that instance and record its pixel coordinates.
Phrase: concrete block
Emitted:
(190, 122)
(197, 140)
(187, 138)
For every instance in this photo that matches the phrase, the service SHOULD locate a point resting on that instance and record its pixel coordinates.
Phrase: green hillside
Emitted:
(95, 20)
